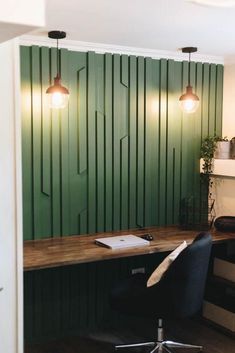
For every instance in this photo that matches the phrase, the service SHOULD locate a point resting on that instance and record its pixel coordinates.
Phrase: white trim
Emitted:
(214, 3)
(18, 197)
(118, 49)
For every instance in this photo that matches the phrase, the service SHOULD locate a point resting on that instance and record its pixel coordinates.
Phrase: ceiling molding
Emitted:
(214, 3)
(118, 49)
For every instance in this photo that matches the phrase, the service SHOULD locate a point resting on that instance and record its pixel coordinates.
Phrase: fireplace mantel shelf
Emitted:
(222, 167)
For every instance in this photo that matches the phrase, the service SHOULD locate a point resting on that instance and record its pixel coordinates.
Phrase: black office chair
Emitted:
(179, 293)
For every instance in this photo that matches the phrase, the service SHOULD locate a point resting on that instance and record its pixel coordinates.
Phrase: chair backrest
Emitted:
(185, 280)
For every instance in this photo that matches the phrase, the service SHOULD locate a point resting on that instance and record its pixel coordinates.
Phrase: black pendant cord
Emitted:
(58, 71)
(189, 83)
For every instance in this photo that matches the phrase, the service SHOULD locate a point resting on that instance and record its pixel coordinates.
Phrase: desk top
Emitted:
(76, 249)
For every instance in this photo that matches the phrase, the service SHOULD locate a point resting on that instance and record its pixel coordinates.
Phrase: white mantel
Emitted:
(222, 167)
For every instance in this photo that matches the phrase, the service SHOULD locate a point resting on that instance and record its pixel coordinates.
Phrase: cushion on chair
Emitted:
(164, 265)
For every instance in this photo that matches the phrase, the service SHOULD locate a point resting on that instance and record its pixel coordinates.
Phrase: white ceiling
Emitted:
(152, 24)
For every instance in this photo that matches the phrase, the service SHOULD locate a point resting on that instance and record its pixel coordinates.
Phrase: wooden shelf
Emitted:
(222, 167)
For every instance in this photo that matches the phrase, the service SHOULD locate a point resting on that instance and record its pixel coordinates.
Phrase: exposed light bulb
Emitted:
(58, 100)
(189, 105)
(58, 95)
(189, 101)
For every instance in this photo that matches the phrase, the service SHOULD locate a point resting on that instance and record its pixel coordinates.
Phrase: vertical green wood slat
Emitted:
(80, 294)
(83, 294)
(91, 131)
(51, 298)
(55, 158)
(101, 291)
(176, 147)
(82, 222)
(73, 139)
(198, 131)
(162, 142)
(67, 298)
(184, 138)
(116, 142)
(36, 138)
(28, 306)
(64, 149)
(212, 99)
(205, 100)
(100, 147)
(26, 99)
(124, 181)
(46, 182)
(45, 144)
(199, 115)
(91, 299)
(82, 141)
(38, 304)
(133, 142)
(77, 143)
(219, 99)
(155, 128)
(191, 143)
(100, 122)
(108, 144)
(124, 95)
(82, 112)
(124, 79)
(74, 302)
(149, 143)
(124, 141)
(140, 140)
(171, 123)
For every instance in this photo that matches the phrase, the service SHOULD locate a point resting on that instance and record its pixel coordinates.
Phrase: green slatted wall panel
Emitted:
(122, 155)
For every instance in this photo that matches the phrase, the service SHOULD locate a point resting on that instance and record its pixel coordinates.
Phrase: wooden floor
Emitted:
(213, 340)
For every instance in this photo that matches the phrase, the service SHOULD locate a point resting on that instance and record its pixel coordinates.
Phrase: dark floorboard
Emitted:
(103, 341)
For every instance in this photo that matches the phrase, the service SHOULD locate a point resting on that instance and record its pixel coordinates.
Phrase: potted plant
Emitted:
(208, 148)
(223, 147)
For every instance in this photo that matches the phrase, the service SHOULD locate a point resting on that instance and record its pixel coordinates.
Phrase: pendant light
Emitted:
(58, 94)
(189, 101)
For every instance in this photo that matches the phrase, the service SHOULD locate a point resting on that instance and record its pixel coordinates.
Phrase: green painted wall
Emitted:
(121, 156)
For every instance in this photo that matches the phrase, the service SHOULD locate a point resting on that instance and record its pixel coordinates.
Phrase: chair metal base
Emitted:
(164, 346)
(160, 345)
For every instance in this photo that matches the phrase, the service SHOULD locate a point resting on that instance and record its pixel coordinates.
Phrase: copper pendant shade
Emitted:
(58, 94)
(189, 101)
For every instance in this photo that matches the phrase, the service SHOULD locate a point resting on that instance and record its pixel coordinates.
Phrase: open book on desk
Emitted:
(122, 241)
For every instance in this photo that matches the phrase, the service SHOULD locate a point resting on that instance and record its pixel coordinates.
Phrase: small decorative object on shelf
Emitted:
(222, 150)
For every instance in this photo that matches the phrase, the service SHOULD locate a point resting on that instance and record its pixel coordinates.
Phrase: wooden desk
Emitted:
(70, 250)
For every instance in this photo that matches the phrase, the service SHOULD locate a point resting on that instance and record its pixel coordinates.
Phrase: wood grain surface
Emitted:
(62, 251)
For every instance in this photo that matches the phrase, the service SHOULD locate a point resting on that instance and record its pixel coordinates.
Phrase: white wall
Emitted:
(25, 12)
(11, 332)
(224, 188)
(18, 17)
